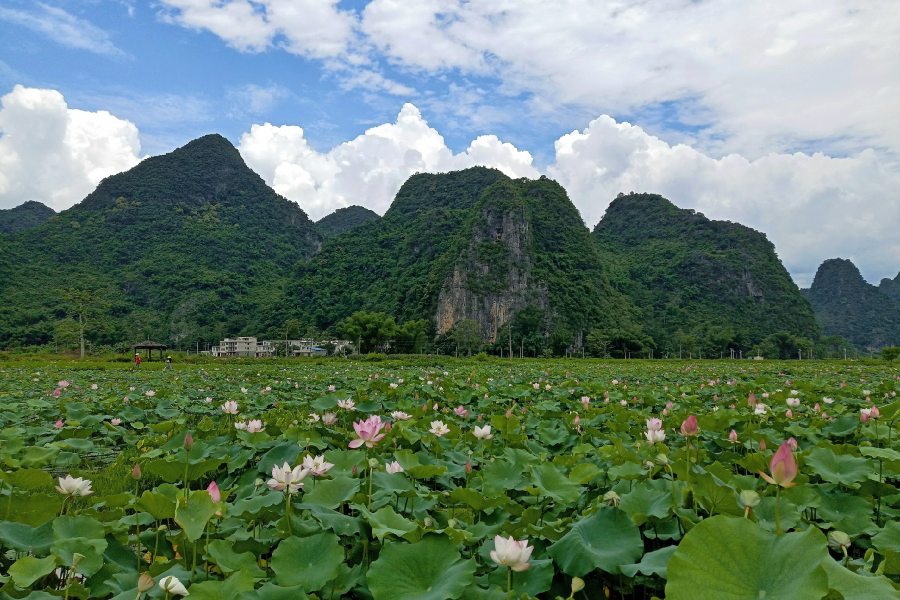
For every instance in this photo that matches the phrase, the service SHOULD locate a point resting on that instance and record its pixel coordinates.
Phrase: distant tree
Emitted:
(85, 308)
(597, 345)
(411, 336)
(890, 354)
(560, 339)
(467, 335)
(368, 330)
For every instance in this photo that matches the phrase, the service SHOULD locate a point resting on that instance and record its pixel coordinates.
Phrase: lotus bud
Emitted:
(839, 540)
(783, 468)
(762, 445)
(145, 583)
(136, 471)
(355, 471)
(611, 498)
(387, 426)
(508, 413)
(751, 399)
(689, 427)
(793, 444)
(214, 492)
(577, 419)
(789, 414)
(479, 418)
(733, 437)
(864, 417)
(874, 414)
(468, 467)
(188, 441)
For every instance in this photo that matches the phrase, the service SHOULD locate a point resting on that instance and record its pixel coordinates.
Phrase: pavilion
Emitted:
(150, 346)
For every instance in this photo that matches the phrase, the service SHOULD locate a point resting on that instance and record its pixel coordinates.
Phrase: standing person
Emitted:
(137, 360)
(168, 363)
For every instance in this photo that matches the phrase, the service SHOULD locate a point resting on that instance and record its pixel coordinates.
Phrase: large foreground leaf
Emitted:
(429, 570)
(603, 541)
(724, 558)
(310, 562)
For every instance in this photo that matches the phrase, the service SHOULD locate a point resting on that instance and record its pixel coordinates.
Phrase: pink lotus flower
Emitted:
(329, 418)
(733, 437)
(255, 426)
(63, 384)
(689, 427)
(313, 417)
(512, 554)
(751, 399)
(59, 424)
(116, 422)
(56, 393)
(462, 412)
(654, 424)
(783, 467)
(230, 408)
(330, 388)
(125, 399)
(214, 492)
(393, 467)
(577, 420)
(793, 444)
(368, 432)
(93, 386)
(789, 414)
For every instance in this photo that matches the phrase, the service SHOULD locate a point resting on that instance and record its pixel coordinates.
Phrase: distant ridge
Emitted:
(849, 306)
(187, 245)
(344, 219)
(710, 284)
(25, 216)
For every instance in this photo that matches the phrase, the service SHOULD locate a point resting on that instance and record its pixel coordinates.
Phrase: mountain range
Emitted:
(193, 246)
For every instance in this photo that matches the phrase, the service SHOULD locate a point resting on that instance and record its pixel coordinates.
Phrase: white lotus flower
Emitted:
(393, 467)
(172, 585)
(439, 429)
(512, 554)
(399, 415)
(74, 486)
(285, 477)
(482, 433)
(317, 466)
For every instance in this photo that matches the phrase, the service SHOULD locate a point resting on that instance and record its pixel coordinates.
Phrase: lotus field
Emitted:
(715, 480)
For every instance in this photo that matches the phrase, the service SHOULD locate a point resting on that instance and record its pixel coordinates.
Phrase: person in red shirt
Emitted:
(137, 361)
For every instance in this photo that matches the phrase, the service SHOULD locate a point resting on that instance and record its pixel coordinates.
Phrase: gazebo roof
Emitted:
(149, 345)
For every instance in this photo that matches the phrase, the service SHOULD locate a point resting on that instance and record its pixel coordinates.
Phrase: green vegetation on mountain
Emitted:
(25, 216)
(191, 245)
(469, 245)
(848, 306)
(891, 287)
(344, 219)
(702, 286)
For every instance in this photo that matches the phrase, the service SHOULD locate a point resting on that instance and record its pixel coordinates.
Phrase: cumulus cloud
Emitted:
(812, 207)
(64, 28)
(57, 155)
(369, 169)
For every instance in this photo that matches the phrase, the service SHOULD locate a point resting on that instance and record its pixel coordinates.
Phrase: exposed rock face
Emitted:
(493, 279)
(848, 306)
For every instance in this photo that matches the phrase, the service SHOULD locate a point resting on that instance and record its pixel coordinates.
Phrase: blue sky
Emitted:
(782, 116)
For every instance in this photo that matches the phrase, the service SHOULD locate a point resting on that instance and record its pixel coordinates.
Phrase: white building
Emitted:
(242, 346)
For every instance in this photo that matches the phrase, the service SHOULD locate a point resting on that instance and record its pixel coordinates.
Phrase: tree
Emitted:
(889, 354)
(85, 307)
(597, 345)
(411, 336)
(467, 335)
(369, 330)
(291, 328)
(560, 339)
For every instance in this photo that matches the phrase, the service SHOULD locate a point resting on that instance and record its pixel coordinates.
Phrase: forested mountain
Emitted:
(891, 287)
(849, 306)
(700, 284)
(471, 245)
(186, 246)
(344, 219)
(25, 216)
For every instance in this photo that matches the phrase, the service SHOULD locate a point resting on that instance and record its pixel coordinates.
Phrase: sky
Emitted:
(783, 116)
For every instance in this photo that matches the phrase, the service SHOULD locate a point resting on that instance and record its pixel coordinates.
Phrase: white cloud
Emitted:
(812, 207)
(57, 155)
(369, 169)
(766, 75)
(311, 28)
(64, 28)
(255, 99)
